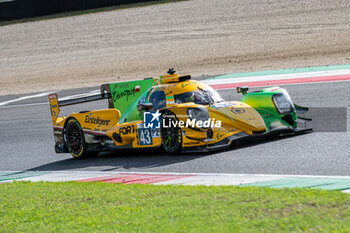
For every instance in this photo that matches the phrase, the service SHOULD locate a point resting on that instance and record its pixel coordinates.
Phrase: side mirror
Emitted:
(144, 106)
(242, 90)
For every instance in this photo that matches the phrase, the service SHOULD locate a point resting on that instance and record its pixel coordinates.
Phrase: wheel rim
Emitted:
(170, 136)
(74, 138)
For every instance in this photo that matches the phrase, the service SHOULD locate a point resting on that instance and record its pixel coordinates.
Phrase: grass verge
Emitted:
(102, 207)
(89, 11)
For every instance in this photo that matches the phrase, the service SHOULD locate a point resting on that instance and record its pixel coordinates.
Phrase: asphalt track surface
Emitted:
(27, 142)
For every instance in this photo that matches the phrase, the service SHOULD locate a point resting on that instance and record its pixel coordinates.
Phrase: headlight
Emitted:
(198, 114)
(283, 102)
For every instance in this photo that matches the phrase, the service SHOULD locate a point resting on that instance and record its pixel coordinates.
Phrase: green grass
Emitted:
(89, 11)
(102, 207)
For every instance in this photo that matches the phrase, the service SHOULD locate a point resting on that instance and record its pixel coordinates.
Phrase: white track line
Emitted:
(25, 97)
(44, 94)
(94, 92)
(24, 105)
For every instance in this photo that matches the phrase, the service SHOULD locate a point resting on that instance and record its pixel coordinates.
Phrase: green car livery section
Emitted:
(262, 102)
(126, 95)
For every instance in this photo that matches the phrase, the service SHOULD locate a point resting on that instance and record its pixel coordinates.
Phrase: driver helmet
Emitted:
(189, 97)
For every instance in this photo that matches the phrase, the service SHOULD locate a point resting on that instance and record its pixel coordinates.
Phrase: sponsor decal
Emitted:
(124, 93)
(219, 135)
(237, 110)
(127, 130)
(96, 120)
(183, 85)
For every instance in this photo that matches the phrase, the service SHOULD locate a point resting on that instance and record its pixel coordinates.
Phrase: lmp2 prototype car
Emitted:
(172, 112)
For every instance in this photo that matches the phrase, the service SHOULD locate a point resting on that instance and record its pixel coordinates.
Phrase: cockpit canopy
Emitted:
(184, 92)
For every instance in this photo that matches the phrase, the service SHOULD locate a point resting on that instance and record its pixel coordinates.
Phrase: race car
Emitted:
(173, 112)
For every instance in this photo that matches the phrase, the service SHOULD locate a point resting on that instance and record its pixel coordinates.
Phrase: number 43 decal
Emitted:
(145, 137)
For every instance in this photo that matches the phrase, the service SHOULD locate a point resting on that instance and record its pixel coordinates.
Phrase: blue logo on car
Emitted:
(151, 120)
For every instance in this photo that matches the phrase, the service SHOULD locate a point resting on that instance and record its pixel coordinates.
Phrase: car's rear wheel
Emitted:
(171, 136)
(74, 139)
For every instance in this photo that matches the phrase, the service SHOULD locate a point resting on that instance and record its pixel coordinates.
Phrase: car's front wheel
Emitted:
(171, 133)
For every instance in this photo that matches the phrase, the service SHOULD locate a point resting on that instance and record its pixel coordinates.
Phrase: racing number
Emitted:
(145, 137)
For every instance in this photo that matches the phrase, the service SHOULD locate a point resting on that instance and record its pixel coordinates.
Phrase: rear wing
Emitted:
(55, 103)
(55, 110)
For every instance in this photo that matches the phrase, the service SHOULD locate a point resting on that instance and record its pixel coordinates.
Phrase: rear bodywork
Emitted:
(121, 126)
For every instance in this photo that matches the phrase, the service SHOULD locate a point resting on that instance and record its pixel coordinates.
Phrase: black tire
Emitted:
(171, 136)
(74, 139)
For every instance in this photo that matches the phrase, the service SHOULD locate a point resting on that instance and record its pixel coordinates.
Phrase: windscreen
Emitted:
(200, 96)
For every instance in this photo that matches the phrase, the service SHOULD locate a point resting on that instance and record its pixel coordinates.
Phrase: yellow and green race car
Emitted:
(172, 112)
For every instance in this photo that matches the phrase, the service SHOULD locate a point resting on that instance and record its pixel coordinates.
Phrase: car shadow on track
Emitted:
(120, 160)
(147, 160)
